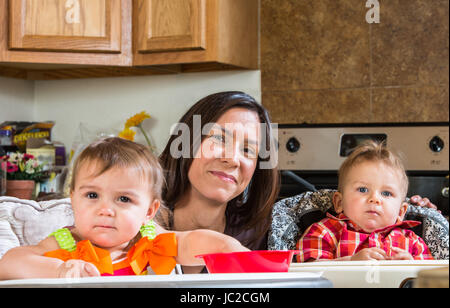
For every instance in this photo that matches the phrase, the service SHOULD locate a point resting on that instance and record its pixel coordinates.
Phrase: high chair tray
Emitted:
(368, 274)
(253, 280)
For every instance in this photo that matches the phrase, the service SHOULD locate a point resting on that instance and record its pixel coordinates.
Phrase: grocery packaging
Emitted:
(21, 131)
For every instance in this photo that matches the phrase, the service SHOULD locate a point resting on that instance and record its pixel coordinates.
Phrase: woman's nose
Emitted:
(231, 155)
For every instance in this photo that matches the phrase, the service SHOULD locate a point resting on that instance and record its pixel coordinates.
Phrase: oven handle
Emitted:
(299, 180)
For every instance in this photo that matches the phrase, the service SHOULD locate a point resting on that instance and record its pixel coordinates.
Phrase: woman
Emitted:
(220, 185)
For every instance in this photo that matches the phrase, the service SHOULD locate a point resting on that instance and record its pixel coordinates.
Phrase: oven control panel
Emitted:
(423, 148)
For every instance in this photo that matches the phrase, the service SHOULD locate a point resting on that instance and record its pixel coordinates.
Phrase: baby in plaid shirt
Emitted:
(370, 207)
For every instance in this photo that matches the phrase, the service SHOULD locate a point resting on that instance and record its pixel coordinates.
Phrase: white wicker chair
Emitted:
(27, 222)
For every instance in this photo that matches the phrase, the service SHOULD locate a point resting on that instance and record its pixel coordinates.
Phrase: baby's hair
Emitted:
(117, 152)
(373, 152)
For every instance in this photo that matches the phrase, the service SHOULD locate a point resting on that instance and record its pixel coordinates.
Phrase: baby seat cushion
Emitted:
(27, 222)
(292, 216)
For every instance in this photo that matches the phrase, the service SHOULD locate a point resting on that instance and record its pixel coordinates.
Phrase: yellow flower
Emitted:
(137, 119)
(127, 134)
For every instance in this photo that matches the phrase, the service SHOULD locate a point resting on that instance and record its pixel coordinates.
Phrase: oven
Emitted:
(309, 156)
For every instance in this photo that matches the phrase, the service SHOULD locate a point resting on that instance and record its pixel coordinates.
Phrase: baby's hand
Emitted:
(400, 254)
(77, 269)
(373, 253)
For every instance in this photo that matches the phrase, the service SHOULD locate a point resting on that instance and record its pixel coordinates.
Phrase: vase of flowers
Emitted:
(22, 172)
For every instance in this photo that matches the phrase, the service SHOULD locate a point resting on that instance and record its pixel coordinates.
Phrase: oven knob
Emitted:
(293, 145)
(445, 192)
(436, 144)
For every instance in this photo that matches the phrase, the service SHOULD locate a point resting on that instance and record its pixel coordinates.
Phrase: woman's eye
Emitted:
(124, 199)
(218, 138)
(363, 189)
(92, 195)
(249, 152)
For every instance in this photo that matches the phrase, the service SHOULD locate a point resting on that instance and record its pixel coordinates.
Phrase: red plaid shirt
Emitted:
(336, 237)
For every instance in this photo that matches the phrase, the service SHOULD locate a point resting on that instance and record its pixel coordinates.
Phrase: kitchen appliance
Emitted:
(310, 155)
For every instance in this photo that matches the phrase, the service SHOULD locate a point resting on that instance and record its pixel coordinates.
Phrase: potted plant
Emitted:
(22, 172)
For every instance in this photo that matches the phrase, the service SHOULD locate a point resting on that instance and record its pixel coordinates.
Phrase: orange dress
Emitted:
(158, 253)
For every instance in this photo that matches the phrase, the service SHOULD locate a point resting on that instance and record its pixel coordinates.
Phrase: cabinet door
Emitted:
(170, 25)
(65, 25)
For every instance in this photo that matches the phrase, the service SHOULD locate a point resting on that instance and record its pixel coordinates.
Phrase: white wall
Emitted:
(16, 100)
(104, 104)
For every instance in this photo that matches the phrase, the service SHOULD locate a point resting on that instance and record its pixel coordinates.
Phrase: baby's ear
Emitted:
(153, 208)
(337, 202)
(402, 211)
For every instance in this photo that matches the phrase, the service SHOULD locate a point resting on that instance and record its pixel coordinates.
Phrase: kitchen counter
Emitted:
(368, 274)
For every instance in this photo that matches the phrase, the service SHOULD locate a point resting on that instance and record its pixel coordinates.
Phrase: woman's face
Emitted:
(225, 163)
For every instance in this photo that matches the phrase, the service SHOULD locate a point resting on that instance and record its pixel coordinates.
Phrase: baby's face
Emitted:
(110, 208)
(372, 196)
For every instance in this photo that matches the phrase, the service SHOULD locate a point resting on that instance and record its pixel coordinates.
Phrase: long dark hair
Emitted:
(252, 208)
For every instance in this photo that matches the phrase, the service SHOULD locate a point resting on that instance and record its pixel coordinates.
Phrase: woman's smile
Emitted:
(224, 176)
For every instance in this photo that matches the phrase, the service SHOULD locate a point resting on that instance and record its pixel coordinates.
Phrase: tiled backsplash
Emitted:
(321, 62)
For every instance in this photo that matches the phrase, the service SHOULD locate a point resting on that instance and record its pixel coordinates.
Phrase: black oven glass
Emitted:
(350, 141)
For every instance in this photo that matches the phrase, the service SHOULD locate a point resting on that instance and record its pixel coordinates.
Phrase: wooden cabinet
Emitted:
(56, 36)
(39, 35)
(52, 39)
(175, 25)
(196, 31)
(65, 25)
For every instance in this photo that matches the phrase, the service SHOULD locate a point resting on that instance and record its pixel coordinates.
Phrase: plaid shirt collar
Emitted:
(407, 224)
